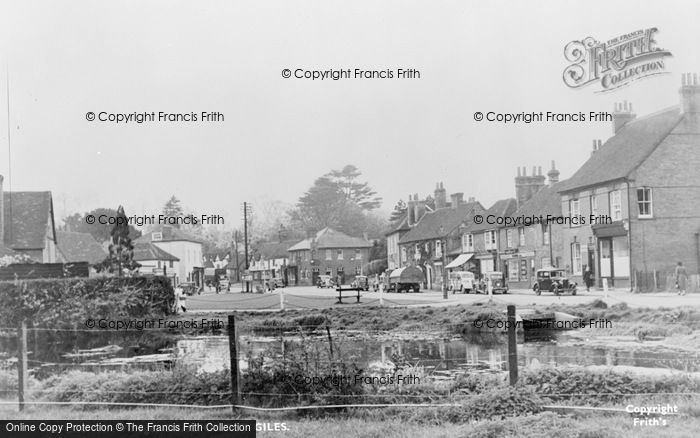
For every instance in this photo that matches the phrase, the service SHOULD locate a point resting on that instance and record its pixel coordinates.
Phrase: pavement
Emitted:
(308, 297)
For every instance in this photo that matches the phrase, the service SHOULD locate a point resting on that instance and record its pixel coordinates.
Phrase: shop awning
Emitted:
(460, 260)
(614, 229)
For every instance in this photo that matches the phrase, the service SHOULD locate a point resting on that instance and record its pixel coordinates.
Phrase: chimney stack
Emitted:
(472, 199)
(690, 94)
(419, 210)
(622, 115)
(553, 175)
(527, 186)
(2, 213)
(457, 199)
(411, 211)
(440, 196)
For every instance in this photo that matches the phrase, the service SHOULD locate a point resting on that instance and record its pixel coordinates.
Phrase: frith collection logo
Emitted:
(616, 62)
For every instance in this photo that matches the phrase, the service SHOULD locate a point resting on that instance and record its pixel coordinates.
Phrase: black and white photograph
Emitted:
(390, 218)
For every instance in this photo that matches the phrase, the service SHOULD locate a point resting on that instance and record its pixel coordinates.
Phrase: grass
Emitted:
(542, 424)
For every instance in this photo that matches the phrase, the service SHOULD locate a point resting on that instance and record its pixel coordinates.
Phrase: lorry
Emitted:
(407, 279)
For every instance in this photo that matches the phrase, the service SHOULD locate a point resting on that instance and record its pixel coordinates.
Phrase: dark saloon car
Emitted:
(553, 280)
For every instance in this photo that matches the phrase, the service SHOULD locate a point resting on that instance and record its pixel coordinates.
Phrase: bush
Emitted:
(71, 301)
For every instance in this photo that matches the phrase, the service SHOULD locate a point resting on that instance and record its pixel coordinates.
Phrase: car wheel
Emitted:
(573, 291)
(555, 290)
(537, 290)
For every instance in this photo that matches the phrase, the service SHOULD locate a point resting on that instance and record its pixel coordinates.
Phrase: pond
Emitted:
(443, 357)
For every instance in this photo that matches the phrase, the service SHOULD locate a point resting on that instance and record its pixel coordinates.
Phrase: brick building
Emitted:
(435, 238)
(528, 248)
(328, 252)
(483, 241)
(646, 178)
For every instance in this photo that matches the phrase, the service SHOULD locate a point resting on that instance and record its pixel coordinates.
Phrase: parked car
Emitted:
(361, 281)
(224, 284)
(498, 283)
(189, 288)
(553, 280)
(462, 281)
(325, 281)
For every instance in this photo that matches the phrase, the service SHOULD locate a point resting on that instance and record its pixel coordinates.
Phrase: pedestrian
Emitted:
(588, 278)
(180, 300)
(681, 278)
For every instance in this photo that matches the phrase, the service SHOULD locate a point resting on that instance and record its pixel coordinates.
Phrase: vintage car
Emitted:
(325, 281)
(462, 281)
(189, 288)
(553, 280)
(361, 281)
(498, 283)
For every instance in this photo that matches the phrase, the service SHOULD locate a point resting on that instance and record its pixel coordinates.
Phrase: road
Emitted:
(306, 297)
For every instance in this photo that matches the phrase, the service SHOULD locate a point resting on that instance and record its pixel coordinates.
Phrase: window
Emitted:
(171, 263)
(546, 229)
(358, 253)
(513, 270)
(576, 258)
(358, 270)
(521, 236)
(594, 205)
(644, 202)
(509, 238)
(329, 255)
(574, 210)
(490, 239)
(468, 243)
(155, 237)
(401, 260)
(158, 264)
(438, 248)
(616, 205)
(340, 254)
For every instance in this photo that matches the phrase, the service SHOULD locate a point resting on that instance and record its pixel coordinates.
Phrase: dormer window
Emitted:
(155, 237)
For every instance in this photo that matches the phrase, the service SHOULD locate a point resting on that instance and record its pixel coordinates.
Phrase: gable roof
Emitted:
(148, 251)
(402, 226)
(329, 238)
(544, 202)
(170, 234)
(441, 222)
(501, 208)
(26, 216)
(275, 250)
(625, 151)
(79, 247)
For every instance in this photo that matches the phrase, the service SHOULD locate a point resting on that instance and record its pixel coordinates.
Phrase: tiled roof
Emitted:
(330, 238)
(80, 247)
(275, 250)
(501, 208)
(441, 222)
(625, 151)
(402, 226)
(148, 251)
(26, 219)
(546, 201)
(170, 234)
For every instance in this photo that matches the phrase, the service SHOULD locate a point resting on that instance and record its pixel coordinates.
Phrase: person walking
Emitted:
(681, 278)
(588, 278)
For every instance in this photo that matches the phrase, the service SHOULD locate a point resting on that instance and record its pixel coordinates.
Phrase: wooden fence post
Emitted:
(512, 346)
(233, 350)
(22, 363)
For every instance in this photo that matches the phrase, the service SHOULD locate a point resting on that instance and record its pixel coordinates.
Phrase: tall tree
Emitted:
(121, 250)
(359, 193)
(399, 212)
(173, 209)
(337, 200)
(100, 231)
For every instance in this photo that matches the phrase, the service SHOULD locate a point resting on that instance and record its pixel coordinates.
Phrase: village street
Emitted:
(308, 297)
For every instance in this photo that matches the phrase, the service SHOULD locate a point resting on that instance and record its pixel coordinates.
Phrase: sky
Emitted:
(64, 59)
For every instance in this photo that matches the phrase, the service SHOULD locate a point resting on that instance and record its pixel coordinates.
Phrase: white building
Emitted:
(186, 248)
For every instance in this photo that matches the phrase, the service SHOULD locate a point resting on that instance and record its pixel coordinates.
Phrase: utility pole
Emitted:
(246, 210)
(235, 254)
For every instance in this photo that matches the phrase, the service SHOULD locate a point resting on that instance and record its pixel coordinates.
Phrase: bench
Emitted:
(341, 289)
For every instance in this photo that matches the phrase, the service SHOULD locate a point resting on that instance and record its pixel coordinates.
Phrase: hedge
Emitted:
(69, 302)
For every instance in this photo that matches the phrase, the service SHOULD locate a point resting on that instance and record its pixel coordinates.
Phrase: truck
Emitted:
(406, 279)
(462, 281)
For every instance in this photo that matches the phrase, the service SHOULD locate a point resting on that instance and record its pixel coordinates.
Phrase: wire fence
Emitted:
(300, 365)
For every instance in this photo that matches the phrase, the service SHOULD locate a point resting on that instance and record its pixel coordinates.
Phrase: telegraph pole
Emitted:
(246, 210)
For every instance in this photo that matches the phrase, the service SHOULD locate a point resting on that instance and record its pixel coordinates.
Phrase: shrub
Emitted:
(71, 301)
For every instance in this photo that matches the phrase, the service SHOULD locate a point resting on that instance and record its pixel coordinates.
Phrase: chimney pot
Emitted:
(518, 170)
